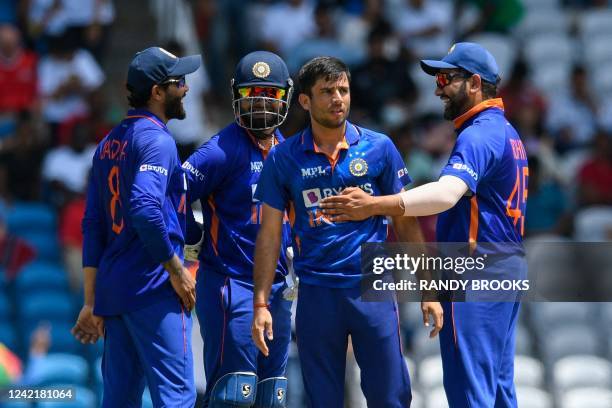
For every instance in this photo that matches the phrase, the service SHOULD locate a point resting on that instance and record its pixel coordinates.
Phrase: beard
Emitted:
(174, 108)
(456, 104)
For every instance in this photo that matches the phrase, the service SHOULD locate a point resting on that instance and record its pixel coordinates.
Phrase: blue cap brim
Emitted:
(186, 65)
(432, 67)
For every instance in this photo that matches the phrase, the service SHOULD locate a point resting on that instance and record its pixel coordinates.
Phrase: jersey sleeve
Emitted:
(470, 159)
(394, 175)
(205, 170)
(157, 153)
(271, 187)
(93, 225)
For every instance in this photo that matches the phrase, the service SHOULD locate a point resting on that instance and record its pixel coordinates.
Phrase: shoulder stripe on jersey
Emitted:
(145, 117)
(473, 234)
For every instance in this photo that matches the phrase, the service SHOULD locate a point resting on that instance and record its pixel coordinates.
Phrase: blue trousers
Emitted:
(477, 345)
(225, 313)
(325, 318)
(152, 344)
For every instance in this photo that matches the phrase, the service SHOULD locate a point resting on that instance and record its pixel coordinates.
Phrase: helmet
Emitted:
(261, 91)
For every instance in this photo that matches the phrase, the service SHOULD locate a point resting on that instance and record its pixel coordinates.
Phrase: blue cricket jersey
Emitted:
(297, 175)
(223, 174)
(135, 214)
(489, 156)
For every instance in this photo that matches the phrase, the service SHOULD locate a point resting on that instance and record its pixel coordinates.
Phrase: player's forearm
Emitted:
(433, 198)
(267, 250)
(89, 285)
(174, 266)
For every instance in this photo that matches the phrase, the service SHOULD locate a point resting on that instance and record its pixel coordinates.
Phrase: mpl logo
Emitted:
(311, 197)
(311, 172)
(256, 166)
(461, 166)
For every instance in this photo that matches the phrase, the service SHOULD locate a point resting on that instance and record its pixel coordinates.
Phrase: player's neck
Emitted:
(327, 139)
(159, 112)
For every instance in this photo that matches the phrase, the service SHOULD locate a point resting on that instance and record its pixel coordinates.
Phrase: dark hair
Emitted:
(489, 90)
(138, 100)
(329, 68)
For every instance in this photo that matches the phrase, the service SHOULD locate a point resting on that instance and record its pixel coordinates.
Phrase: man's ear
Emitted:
(157, 93)
(304, 100)
(475, 83)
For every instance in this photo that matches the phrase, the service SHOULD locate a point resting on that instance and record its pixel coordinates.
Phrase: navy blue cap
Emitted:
(472, 57)
(154, 65)
(262, 68)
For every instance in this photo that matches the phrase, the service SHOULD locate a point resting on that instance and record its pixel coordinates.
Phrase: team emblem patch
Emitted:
(280, 394)
(261, 70)
(358, 167)
(246, 390)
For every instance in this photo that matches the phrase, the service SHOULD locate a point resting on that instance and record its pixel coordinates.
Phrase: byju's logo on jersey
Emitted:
(196, 173)
(358, 167)
(464, 167)
(157, 169)
(402, 172)
(311, 197)
(312, 172)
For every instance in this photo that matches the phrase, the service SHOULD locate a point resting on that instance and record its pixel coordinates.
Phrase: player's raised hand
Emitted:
(88, 327)
(433, 309)
(353, 204)
(184, 286)
(262, 322)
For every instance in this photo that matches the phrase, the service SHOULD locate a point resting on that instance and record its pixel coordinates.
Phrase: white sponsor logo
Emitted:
(402, 172)
(150, 167)
(253, 188)
(197, 173)
(313, 172)
(461, 166)
(311, 197)
(256, 166)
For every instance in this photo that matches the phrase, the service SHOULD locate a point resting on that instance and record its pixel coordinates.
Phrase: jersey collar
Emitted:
(351, 137)
(484, 105)
(145, 114)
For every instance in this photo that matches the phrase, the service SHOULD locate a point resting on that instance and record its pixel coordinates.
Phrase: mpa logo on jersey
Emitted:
(358, 167)
(157, 169)
(464, 167)
(311, 197)
(312, 172)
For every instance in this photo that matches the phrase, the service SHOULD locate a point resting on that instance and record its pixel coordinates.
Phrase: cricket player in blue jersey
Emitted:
(328, 156)
(138, 295)
(481, 196)
(223, 174)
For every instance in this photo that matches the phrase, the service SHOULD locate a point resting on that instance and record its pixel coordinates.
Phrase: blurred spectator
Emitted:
(498, 16)
(15, 252)
(547, 203)
(418, 162)
(520, 94)
(424, 26)
(572, 114)
(71, 239)
(382, 86)
(66, 167)
(67, 78)
(21, 157)
(10, 366)
(354, 27)
(88, 20)
(190, 132)
(324, 42)
(595, 176)
(40, 342)
(286, 24)
(17, 72)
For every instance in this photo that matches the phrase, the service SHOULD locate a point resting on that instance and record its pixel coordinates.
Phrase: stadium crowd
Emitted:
(555, 58)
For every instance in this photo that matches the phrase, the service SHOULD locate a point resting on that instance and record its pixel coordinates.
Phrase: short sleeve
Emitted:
(271, 188)
(394, 175)
(470, 159)
(205, 169)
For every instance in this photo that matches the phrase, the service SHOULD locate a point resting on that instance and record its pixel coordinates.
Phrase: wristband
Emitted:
(258, 305)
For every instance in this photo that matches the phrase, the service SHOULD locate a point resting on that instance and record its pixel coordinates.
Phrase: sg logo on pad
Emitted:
(311, 197)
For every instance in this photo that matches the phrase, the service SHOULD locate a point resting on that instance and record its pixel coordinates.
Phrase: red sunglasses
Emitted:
(267, 92)
(445, 78)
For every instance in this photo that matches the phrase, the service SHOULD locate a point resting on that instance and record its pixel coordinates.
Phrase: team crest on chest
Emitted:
(358, 167)
(261, 70)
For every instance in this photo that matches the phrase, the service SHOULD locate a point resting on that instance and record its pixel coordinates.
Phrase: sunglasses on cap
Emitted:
(445, 78)
(267, 92)
(179, 82)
